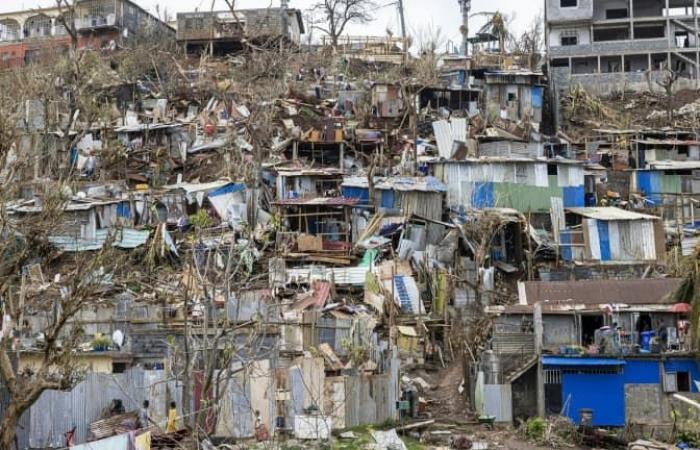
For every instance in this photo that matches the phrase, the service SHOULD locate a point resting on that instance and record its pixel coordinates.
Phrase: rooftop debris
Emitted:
(248, 241)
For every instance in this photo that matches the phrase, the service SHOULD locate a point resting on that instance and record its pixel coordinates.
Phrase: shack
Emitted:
(609, 235)
(524, 184)
(421, 196)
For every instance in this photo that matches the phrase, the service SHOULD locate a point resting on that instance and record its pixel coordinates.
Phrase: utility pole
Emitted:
(284, 6)
(403, 19)
(466, 6)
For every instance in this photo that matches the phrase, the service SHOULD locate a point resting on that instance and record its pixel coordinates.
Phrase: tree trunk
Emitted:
(8, 427)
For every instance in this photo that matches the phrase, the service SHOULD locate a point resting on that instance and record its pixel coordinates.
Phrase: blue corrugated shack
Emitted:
(422, 196)
(615, 391)
(609, 235)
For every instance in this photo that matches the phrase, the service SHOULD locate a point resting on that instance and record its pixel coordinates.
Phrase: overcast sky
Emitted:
(421, 15)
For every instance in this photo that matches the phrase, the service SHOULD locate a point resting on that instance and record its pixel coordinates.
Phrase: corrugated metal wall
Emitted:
(522, 186)
(57, 412)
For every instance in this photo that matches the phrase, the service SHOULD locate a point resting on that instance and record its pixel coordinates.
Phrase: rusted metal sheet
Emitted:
(633, 292)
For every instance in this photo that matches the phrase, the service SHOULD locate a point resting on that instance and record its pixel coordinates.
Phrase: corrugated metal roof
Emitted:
(581, 361)
(673, 165)
(341, 276)
(320, 201)
(427, 184)
(594, 292)
(146, 126)
(665, 142)
(507, 160)
(125, 238)
(610, 213)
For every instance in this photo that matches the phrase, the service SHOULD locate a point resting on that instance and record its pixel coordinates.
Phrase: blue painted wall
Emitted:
(483, 196)
(574, 197)
(604, 236)
(650, 182)
(362, 194)
(388, 199)
(685, 365)
(605, 394)
(567, 253)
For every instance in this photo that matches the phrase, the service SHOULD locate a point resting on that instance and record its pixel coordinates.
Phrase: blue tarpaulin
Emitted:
(228, 189)
(537, 93)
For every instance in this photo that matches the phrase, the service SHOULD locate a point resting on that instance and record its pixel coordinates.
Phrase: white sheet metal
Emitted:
(443, 136)
(459, 129)
(593, 238)
(643, 236)
(615, 231)
(557, 216)
(342, 276)
(498, 402)
(312, 427)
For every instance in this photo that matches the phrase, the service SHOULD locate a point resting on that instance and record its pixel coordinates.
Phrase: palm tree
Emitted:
(497, 26)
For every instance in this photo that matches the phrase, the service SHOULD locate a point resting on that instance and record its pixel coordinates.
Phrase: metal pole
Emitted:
(403, 19)
(539, 338)
(284, 6)
(466, 8)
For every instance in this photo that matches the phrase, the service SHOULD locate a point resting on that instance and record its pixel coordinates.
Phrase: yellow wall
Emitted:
(92, 362)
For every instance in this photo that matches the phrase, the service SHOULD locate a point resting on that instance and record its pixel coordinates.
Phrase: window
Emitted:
(616, 13)
(118, 367)
(568, 3)
(569, 37)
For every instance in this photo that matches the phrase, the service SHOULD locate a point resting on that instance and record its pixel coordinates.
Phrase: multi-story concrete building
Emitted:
(605, 44)
(222, 32)
(26, 35)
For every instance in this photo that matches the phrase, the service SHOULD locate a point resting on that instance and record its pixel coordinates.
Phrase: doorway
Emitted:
(589, 325)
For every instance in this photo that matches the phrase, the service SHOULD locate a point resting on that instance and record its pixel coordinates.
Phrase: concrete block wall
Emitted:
(555, 13)
(610, 48)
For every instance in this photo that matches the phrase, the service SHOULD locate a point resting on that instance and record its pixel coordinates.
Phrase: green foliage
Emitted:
(201, 219)
(535, 428)
(691, 438)
(100, 342)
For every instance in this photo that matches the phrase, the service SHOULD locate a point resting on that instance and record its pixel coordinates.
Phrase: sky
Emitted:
(422, 16)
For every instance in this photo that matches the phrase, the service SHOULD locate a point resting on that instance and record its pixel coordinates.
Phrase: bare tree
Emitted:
(338, 14)
(530, 44)
(667, 83)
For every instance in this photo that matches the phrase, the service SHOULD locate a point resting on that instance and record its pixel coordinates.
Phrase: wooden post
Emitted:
(539, 339)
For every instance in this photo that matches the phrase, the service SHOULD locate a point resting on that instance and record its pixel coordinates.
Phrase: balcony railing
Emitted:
(10, 36)
(96, 22)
